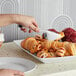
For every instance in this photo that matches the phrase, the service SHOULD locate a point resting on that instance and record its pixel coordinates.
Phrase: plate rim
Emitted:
(35, 65)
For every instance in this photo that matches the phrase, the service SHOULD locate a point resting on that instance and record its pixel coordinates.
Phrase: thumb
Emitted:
(18, 73)
(34, 28)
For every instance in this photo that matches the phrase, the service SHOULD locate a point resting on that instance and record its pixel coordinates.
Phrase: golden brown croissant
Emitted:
(71, 48)
(57, 44)
(30, 44)
(46, 44)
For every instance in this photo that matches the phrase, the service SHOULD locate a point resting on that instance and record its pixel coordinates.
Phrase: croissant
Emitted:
(46, 44)
(71, 48)
(30, 44)
(57, 44)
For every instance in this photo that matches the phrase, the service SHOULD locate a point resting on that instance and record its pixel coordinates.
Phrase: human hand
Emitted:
(27, 22)
(8, 72)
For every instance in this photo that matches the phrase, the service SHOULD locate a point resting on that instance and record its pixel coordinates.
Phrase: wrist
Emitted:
(15, 18)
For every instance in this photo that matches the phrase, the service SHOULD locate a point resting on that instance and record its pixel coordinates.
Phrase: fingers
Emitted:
(35, 24)
(18, 73)
(30, 31)
(23, 29)
(10, 72)
(33, 27)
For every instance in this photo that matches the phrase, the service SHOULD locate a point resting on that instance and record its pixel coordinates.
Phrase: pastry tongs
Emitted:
(49, 35)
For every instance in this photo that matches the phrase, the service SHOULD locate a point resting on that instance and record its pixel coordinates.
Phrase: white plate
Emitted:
(47, 60)
(20, 64)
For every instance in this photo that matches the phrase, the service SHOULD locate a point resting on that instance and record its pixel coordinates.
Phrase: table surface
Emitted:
(12, 50)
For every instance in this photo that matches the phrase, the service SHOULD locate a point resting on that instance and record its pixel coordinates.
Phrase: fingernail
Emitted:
(37, 30)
